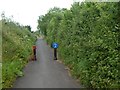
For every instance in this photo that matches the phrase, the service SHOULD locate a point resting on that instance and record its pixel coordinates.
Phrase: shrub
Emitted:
(88, 36)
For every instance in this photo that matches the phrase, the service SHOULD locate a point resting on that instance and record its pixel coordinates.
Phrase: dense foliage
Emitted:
(88, 35)
(16, 48)
(0, 55)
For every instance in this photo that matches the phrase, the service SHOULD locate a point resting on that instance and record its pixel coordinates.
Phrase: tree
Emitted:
(28, 27)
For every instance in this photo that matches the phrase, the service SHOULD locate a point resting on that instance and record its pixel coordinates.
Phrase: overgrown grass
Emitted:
(16, 48)
(0, 54)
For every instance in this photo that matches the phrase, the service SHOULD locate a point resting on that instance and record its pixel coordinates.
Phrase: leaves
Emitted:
(16, 47)
(88, 35)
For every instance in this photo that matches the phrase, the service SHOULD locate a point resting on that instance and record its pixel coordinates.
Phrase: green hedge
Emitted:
(17, 44)
(88, 35)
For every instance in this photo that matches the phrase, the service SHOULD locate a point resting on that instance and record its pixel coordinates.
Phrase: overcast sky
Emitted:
(26, 12)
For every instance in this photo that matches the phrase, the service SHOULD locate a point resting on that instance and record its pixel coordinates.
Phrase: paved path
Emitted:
(45, 72)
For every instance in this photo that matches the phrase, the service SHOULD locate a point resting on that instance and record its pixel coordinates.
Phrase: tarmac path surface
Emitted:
(45, 72)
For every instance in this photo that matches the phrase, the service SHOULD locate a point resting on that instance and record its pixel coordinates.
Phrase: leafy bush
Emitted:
(0, 54)
(16, 48)
(88, 36)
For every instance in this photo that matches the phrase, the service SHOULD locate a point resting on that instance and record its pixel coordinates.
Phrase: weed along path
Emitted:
(45, 72)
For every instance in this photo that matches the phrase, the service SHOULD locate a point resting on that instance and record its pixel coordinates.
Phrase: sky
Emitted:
(26, 12)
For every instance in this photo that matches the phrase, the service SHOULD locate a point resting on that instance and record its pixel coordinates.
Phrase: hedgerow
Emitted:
(16, 48)
(88, 35)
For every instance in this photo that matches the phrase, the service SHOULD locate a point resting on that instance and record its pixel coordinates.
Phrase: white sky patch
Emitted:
(26, 12)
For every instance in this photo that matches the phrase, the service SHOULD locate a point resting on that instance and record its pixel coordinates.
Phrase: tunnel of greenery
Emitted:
(88, 35)
(17, 44)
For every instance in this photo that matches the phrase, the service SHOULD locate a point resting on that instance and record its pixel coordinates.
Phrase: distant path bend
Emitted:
(45, 72)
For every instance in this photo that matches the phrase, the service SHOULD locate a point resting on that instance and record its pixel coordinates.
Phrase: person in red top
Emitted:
(34, 52)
